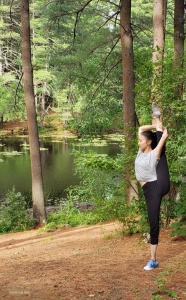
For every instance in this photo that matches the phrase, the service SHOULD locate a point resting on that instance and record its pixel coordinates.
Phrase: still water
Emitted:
(57, 164)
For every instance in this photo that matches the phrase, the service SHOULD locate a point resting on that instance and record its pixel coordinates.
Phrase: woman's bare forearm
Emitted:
(161, 143)
(146, 127)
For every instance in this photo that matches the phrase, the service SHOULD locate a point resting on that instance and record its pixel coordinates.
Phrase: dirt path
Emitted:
(87, 263)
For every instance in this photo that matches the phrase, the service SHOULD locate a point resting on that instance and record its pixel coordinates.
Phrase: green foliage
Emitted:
(161, 282)
(179, 228)
(98, 175)
(142, 217)
(102, 182)
(9, 103)
(47, 128)
(157, 297)
(104, 113)
(67, 215)
(109, 210)
(70, 215)
(179, 224)
(14, 215)
(83, 53)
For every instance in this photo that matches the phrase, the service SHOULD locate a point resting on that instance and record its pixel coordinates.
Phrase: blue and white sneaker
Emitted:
(152, 264)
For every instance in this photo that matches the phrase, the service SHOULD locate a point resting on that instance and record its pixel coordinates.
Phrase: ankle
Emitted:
(158, 123)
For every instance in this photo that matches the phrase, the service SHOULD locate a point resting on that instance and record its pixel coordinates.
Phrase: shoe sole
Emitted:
(148, 269)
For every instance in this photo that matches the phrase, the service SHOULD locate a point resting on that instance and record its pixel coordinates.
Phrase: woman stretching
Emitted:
(152, 173)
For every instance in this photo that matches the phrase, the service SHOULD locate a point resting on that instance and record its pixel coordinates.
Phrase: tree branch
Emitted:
(112, 48)
(16, 93)
(106, 42)
(102, 82)
(109, 18)
(78, 12)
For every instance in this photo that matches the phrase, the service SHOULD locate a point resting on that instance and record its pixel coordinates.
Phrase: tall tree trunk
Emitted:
(179, 41)
(159, 21)
(37, 182)
(128, 92)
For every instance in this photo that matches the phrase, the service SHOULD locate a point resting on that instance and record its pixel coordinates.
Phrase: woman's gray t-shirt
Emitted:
(145, 166)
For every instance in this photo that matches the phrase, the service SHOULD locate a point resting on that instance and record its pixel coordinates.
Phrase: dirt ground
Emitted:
(90, 262)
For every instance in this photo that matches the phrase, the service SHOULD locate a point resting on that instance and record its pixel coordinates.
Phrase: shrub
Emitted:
(68, 216)
(14, 215)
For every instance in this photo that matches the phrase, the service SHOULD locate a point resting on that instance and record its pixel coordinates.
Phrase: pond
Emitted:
(57, 164)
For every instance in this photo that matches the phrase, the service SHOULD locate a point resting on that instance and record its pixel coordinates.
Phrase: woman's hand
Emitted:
(165, 132)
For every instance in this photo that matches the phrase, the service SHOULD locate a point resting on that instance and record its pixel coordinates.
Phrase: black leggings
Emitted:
(154, 192)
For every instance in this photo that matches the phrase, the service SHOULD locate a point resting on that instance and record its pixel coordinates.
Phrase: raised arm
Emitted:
(146, 127)
(161, 143)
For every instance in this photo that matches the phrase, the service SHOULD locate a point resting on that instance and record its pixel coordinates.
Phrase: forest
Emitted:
(97, 66)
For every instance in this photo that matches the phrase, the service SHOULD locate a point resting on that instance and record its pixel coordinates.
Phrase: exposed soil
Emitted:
(16, 127)
(88, 263)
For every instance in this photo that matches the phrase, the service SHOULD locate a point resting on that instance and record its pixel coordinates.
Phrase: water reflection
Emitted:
(57, 164)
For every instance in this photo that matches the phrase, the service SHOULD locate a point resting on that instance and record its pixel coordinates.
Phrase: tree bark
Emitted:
(37, 182)
(159, 21)
(179, 41)
(178, 31)
(128, 93)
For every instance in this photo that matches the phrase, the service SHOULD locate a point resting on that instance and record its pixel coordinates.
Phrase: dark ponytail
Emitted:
(151, 136)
